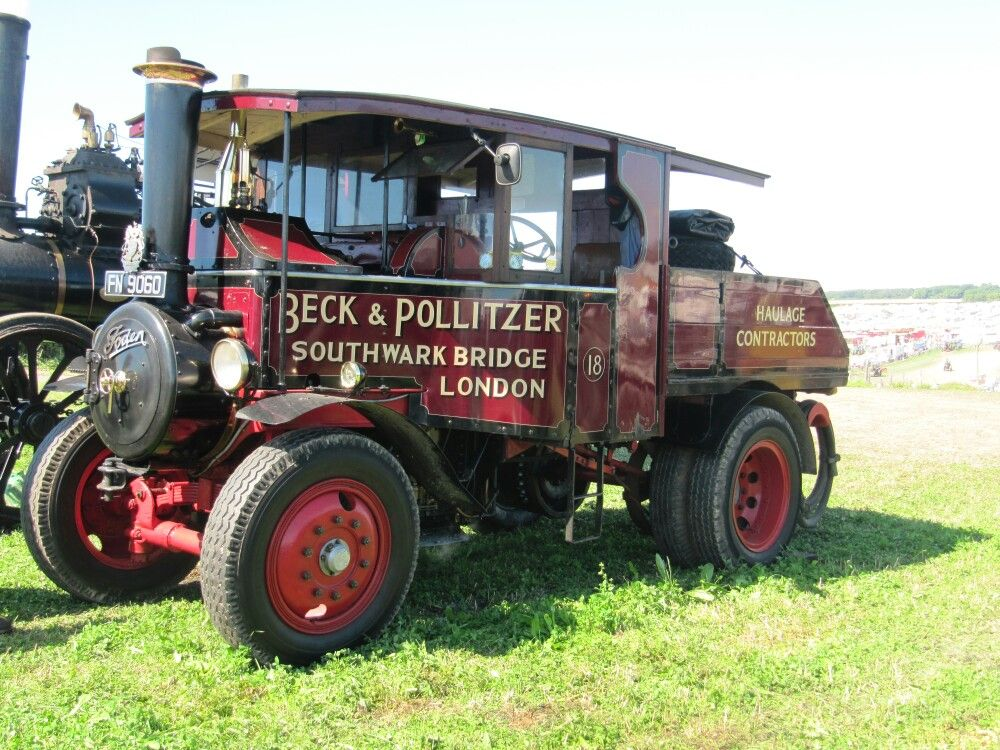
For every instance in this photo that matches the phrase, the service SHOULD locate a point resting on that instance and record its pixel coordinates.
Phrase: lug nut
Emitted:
(366, 540)
(355, 524)
(335, 595)
(317, 592)
(306, 575)
(318, 530)
(352, 583)
(307, 552)
(364, 563)
(338, 519)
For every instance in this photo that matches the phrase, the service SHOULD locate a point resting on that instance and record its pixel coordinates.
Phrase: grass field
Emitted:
(880, 629)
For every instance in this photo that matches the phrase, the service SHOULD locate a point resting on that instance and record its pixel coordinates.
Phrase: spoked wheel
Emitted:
(311, 546)
(36, 350)
(746, 494)
(79, 539)
(635, 487)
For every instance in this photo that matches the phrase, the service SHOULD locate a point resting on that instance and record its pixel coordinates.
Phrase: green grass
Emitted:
(917, 361)
(880, 629)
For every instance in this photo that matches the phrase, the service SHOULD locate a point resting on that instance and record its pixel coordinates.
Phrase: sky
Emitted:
(878, 120)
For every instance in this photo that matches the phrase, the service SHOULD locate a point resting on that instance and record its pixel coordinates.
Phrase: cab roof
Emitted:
(305, 106)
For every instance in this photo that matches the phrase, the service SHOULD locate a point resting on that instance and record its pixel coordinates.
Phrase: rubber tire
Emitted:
(669, 488)
(712, 485)
(48, 518)
(248, 510)
(811, 508)
(701, 253)
(20, 323)
(637, 511)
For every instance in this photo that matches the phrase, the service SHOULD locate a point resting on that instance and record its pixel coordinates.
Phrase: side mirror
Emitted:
(508, 163)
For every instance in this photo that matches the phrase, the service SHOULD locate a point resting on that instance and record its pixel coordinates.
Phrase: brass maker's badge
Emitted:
(133, 248)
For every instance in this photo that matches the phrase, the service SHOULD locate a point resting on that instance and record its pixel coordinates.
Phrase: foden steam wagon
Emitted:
(400, 313)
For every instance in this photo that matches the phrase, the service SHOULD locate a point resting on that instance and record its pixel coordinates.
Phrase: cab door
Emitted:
(637, 387)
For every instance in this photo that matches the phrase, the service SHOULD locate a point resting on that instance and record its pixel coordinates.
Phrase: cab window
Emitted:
(359, 199)
(536, 211)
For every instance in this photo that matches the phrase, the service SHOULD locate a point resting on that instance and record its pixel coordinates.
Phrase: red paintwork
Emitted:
(110, 523)
(761, 496)
(307, 598)
(814, 342)
(642, 174)
(174, 537)
(819, 416)
(442, 329)
(694, 320)
(242, 299)
(229, 251)
(422, 248)
(593, 367)
(265, 236)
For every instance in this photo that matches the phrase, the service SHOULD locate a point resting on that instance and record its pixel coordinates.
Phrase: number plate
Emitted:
(135, 284)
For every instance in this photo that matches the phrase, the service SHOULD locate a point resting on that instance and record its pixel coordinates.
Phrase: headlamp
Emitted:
(352, 375)
(232, 363)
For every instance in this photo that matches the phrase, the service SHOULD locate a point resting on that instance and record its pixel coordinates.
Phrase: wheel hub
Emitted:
(335, 557)
(33, 421)
(761, 499)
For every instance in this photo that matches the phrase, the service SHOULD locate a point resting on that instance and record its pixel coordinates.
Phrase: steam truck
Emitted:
(400, 313)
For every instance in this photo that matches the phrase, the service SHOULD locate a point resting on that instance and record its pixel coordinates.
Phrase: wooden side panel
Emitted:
(774, 323)
(694, 320)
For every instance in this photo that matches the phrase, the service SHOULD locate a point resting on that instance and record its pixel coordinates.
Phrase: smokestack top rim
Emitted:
(7, 17)
(166, 65)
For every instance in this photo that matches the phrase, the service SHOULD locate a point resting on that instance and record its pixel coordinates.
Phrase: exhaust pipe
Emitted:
(13, 59)
(173, 104)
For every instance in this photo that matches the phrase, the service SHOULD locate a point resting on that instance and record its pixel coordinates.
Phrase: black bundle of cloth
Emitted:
(701, 222)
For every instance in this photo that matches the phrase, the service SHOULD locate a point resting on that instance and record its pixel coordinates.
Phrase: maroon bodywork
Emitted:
(493, 342)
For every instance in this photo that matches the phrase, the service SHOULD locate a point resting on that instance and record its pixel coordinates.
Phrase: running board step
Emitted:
(598, 496)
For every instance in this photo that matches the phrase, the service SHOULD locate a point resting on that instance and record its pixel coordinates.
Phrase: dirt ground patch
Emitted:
(903, 425)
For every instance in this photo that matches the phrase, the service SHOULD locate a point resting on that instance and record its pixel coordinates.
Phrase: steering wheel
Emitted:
(542, 241)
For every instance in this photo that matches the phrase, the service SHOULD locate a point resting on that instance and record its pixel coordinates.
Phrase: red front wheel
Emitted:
(78, 537)
(311, 546)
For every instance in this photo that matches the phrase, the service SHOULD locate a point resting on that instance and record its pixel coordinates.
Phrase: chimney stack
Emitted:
(173, 104)
(13, 58)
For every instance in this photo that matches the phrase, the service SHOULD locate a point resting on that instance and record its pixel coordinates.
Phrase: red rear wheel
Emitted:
(745, 494)
(761, 497)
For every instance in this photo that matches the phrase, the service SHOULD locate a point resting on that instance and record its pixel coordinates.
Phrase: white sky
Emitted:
(877, 120)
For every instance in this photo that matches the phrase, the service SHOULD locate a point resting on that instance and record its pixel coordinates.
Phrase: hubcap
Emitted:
(762, 496)
(335, 557)
(328, 555)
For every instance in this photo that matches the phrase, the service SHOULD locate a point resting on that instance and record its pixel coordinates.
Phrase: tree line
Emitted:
(963, 292)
